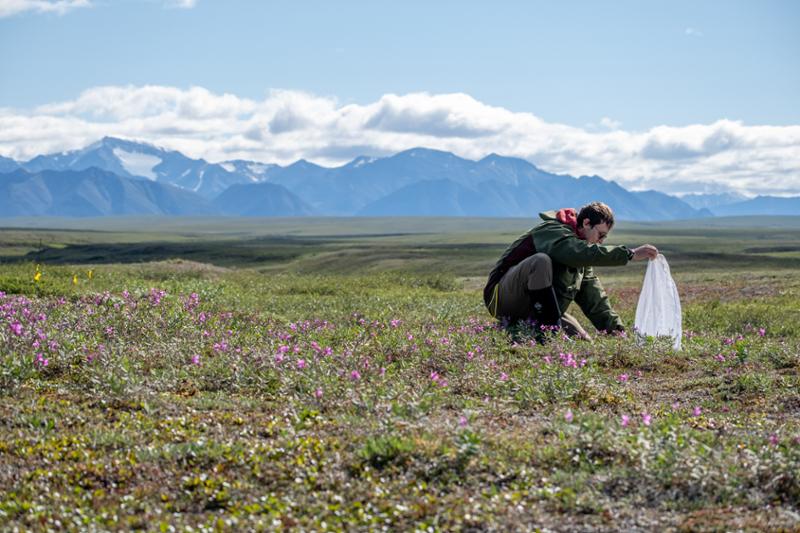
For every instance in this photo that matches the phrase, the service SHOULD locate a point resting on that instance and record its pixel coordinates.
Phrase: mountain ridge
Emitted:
(418, 180)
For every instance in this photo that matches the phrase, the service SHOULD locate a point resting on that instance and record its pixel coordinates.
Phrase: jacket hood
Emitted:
(566, 216)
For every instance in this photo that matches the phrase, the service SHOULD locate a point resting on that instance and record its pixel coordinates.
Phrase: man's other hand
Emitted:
(645, 251)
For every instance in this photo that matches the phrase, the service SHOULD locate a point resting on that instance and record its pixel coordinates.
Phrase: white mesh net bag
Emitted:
(658, 313)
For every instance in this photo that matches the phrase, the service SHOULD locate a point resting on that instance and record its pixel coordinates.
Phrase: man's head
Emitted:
(595, 222)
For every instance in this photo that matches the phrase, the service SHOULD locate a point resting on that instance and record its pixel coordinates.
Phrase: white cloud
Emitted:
(693, 32)
(288, 125)
(182, 4)
(14, 7)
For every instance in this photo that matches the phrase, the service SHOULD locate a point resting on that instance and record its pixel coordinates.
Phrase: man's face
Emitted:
(595, 234)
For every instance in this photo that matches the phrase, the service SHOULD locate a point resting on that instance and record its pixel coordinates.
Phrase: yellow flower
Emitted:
(89, 274)
(74, 279)
(37, 276)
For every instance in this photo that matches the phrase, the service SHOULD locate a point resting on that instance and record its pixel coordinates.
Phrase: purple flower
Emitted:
(503, 376)
(195, 359)
(762, 332)
(697, 411)
(318, 393)
(355, 375)
(16, 328)
(462, 421)
(622, 378)
(41, 360)
(646, 419)
(568, 415)
(301, 363)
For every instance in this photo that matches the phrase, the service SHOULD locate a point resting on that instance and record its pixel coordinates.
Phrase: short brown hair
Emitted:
(597, 213)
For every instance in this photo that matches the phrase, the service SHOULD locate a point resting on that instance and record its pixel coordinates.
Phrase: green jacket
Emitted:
(573, 276)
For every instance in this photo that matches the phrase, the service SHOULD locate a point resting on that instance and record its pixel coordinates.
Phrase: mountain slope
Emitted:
(7, 164)
(260, 200)
(761, 205)
(92, 192)
(131, 159)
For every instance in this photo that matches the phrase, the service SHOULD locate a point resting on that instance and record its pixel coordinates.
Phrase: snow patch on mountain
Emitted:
(200, 182)
(364, 161)
(137, 164)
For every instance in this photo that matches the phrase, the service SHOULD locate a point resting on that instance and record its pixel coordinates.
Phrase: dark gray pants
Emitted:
(513, 301)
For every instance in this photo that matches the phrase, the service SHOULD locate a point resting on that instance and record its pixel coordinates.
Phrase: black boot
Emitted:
(545, 310)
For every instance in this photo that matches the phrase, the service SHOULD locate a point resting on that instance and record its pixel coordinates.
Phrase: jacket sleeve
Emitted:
(563, 246)
(593, 301)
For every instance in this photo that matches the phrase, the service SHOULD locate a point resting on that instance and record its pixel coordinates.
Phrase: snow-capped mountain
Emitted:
(131, 159)
(419, 181)
(257, 172)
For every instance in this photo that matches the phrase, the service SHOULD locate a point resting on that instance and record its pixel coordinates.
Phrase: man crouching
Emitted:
(551, 265)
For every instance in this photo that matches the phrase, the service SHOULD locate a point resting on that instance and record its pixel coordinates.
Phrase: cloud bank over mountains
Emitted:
(287, 125)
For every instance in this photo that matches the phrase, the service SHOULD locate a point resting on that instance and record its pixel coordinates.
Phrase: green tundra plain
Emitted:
(342, 374)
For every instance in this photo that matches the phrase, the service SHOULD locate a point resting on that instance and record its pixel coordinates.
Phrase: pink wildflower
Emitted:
(625, 420)
(16, 328)
(646, 419)
(503, 376)
(568, 415)
(355, 375)
(195, 359)
(719, 357)
(697, 411)
(773, 439)
(622, 378)
(318, 393)
(762, 332)
(301, 363)
(462, 421)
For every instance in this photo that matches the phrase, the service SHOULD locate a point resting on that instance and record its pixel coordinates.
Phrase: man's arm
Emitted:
(593, 301)
(563, 246)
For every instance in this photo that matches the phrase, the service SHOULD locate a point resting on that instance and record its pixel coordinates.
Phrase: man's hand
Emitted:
(645, 251)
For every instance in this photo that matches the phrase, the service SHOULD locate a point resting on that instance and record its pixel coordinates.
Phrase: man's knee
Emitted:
(539, 271)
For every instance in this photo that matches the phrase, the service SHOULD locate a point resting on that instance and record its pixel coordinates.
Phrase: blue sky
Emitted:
(642, 64)
(626, 66)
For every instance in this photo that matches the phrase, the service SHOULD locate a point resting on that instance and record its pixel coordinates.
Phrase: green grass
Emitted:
(409, 410)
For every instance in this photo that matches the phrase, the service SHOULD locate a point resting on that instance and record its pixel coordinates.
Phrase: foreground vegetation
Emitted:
(177, 393)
